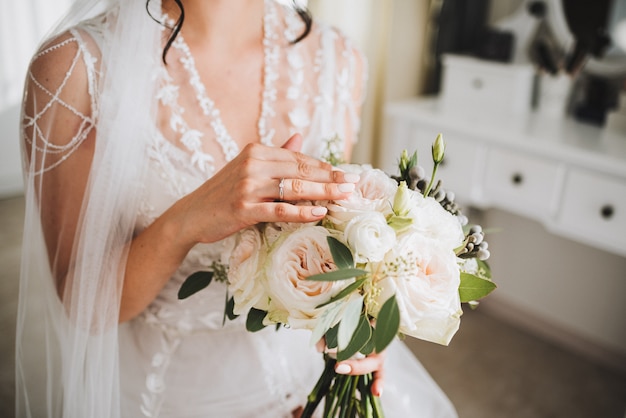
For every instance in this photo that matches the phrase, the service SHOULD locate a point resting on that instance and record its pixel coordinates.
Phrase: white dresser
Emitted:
(567, 175)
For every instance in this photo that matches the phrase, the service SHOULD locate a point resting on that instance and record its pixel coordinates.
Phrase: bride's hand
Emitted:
(246, 191)
(373, 363)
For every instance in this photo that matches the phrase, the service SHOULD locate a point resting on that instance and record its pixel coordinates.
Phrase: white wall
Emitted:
(10, 160)
(22, 26)
(566, 291)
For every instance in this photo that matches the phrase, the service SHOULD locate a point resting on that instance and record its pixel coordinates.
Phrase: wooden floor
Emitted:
(490, 370)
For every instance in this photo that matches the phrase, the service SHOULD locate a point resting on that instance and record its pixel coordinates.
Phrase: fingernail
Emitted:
(351, 177)
(343, 369)
(346, 187)
(319, 211)
(379, 393)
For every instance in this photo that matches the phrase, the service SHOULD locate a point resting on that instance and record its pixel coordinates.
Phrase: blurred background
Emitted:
(530, 97)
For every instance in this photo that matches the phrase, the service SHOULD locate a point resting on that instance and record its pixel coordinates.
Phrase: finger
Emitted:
(274, 154)
(369, 364)
(294, 143)
(286, 212)
(302, 169)
(379, 382)
(296, 190)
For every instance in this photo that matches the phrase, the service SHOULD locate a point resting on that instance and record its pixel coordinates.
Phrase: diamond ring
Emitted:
(281, 189)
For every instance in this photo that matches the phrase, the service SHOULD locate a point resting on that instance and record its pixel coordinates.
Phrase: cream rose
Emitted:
(296, 256)
(425, 279)
(432, 221)
(373, 193)
(244, 279)
(369, 237)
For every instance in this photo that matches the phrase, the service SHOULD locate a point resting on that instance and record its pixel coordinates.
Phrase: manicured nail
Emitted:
(346, 187)
(343, 369)
(319, 211)
(351, 177)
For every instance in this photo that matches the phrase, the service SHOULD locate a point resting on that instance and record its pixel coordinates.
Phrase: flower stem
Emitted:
(432, 180)
(321, 388)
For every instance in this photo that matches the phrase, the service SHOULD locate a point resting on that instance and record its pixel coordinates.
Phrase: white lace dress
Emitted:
(179, 358)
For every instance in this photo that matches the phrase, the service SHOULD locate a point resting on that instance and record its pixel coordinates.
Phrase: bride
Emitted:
(152, 131)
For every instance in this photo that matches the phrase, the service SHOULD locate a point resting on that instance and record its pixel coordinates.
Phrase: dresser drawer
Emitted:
(521, 183)
(474, 85)
(593, 209)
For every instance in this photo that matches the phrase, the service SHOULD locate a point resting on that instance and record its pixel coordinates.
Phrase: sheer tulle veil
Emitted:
(66, 356)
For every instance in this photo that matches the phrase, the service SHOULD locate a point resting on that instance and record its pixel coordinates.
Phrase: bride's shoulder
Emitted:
(76, 47)
(70, 60)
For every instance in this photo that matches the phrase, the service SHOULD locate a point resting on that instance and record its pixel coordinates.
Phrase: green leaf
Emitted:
(345, 292)
(399, 223)
(333, 276)
(331, 337)
(342, 256)
(254, 321)
(194, 283)
(326, 320)
(361, 338)
(349, 321)
(474, 288)
(368, 348)
(229, 310)
(387, 324)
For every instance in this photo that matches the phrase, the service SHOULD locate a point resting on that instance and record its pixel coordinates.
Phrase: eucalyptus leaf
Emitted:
(194, 283)
(333, 276)
(331, 337)
(254, 321)
(345, 292)
(387, 324)
(368, 348)
(230, 307)
(342, 256)
(349, 321)
(326, 320)
(474, 288)
(362, 336)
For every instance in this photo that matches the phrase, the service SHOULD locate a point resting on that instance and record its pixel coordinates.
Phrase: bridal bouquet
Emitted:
(396, 258)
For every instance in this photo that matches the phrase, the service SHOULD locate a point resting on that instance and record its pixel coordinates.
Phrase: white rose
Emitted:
(341, 212)
(374, 184)
(244, 279)
(425, 279)
(373, 193)
(432, 221)
(295, 257)
(369, 237)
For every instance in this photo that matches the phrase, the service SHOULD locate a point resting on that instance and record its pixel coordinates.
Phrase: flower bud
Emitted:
(438, 149)
(402, 200)
(404, 161)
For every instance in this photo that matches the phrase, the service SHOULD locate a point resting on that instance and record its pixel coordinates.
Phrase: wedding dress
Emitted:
(145, 151)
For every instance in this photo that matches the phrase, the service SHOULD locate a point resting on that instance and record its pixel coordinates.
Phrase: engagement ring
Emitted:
(281, 189)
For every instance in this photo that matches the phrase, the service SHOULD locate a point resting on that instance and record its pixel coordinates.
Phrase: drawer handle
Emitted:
(477, 83)
(607, 212)
(517, 178)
